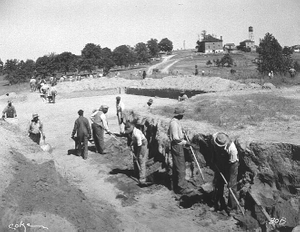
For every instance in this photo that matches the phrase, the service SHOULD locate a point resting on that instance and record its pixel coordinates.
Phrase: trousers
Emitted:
(142, 160)
(35, 137)
(177, 152)
(81, 146)
(98, 136)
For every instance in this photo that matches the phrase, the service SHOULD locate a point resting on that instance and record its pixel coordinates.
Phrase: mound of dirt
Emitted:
(37, 194)
(207, 84)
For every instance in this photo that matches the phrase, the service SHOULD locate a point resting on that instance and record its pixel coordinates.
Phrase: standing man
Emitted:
(144, 74)
(225, 158)
(120, 107)
(9, 111)
(99, 126)
(83, 130)
(177, 143)
(35, 130)
(32, 83)
(149, 104)
(139, 146)
(52, 92)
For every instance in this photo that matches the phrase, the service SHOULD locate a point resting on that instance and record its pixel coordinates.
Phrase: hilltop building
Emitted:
(229, 47)
(210, 44)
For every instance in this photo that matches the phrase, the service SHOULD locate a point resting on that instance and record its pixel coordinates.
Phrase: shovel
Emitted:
(45, 146)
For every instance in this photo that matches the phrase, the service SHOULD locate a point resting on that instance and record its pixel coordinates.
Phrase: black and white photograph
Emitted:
(150, 115)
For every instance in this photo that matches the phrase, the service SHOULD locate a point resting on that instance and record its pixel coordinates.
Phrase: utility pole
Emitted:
(183, 44)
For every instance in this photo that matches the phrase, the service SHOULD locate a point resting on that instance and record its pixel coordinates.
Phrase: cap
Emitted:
(221, 139)
(179, 111)
(118, 98)
(35, 115)
(103, 107)
(128, 127)
(80, 112)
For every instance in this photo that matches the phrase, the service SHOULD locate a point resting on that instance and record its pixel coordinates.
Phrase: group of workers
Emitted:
(225, 157)
(48, 91)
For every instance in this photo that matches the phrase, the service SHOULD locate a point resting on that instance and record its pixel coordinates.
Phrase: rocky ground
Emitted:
(63, 192)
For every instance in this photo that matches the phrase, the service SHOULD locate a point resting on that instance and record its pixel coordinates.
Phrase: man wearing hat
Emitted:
(225, 158)
(139, 145)
(83, 130)
(177, 143)
(99, 126)
(9, 111)
(149, 104)
(182, 96)
(35, 130)
(120, 107)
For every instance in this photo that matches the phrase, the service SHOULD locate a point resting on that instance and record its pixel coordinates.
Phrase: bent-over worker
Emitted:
(182, 96)
(225, 158)
(83, 131)
(139, 146)
(99, 126)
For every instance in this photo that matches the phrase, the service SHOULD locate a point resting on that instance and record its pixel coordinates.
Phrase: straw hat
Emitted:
(103, 107)
(34, 116)
(221, 139)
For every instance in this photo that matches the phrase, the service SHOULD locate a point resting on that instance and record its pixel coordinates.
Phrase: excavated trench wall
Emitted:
(270, 171)
(163, 93)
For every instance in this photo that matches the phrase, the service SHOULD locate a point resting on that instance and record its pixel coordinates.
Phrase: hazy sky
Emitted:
(33, 28)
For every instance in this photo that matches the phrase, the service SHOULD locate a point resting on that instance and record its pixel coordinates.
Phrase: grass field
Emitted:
(237, 111)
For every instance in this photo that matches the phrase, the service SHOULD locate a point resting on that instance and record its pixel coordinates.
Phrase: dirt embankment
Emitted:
(34, 192)
(269, 171)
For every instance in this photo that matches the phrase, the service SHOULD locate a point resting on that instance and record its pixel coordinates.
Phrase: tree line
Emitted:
(92, 57)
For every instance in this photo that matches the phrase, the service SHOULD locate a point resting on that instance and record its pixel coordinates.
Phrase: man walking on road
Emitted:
(35, 130)
(83, 131)
(9, 111)
(100, 126)
(177, 143)
(120, 107)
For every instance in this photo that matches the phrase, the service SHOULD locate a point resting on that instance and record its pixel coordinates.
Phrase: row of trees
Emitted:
(92, 57)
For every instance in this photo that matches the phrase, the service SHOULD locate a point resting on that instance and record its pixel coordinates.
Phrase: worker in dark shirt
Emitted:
(83, 130)
(9, 111)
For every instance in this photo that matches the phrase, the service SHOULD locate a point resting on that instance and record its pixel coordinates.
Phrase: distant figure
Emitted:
(83, 130)
(32, 84)
(292, 72)
(182, 96)
(144, 74)
(196, 70)
(52, 92)
(35, 130)
(271, 74)
(120, 107)
(203, 72)
(9, 111)
(149, 103)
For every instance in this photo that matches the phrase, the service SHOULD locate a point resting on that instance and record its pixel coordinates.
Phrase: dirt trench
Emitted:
(269, 171)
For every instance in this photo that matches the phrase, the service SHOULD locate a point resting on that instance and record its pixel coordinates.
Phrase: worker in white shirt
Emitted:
(139, 145)
(120, 107)
(99, 126)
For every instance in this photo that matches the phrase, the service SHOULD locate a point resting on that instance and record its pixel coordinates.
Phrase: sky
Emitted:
(33, 28)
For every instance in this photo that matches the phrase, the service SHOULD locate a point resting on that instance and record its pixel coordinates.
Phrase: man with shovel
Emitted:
(139, 146)
(35, 130)
(226, 163)
(100, 126)
(177, 143)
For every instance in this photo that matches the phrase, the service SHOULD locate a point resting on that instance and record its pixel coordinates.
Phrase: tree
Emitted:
(124, 56)
(1, 66)
(271, 56)
(208, 63)
(226, 61)
(91, 57)
(203, 34)
(165, 45)
(44, 66)
(242, 47)
(142, 53)
(66, 62)
(153, 47)
(108, 62)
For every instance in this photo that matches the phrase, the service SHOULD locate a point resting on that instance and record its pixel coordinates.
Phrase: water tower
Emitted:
(251, 36)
